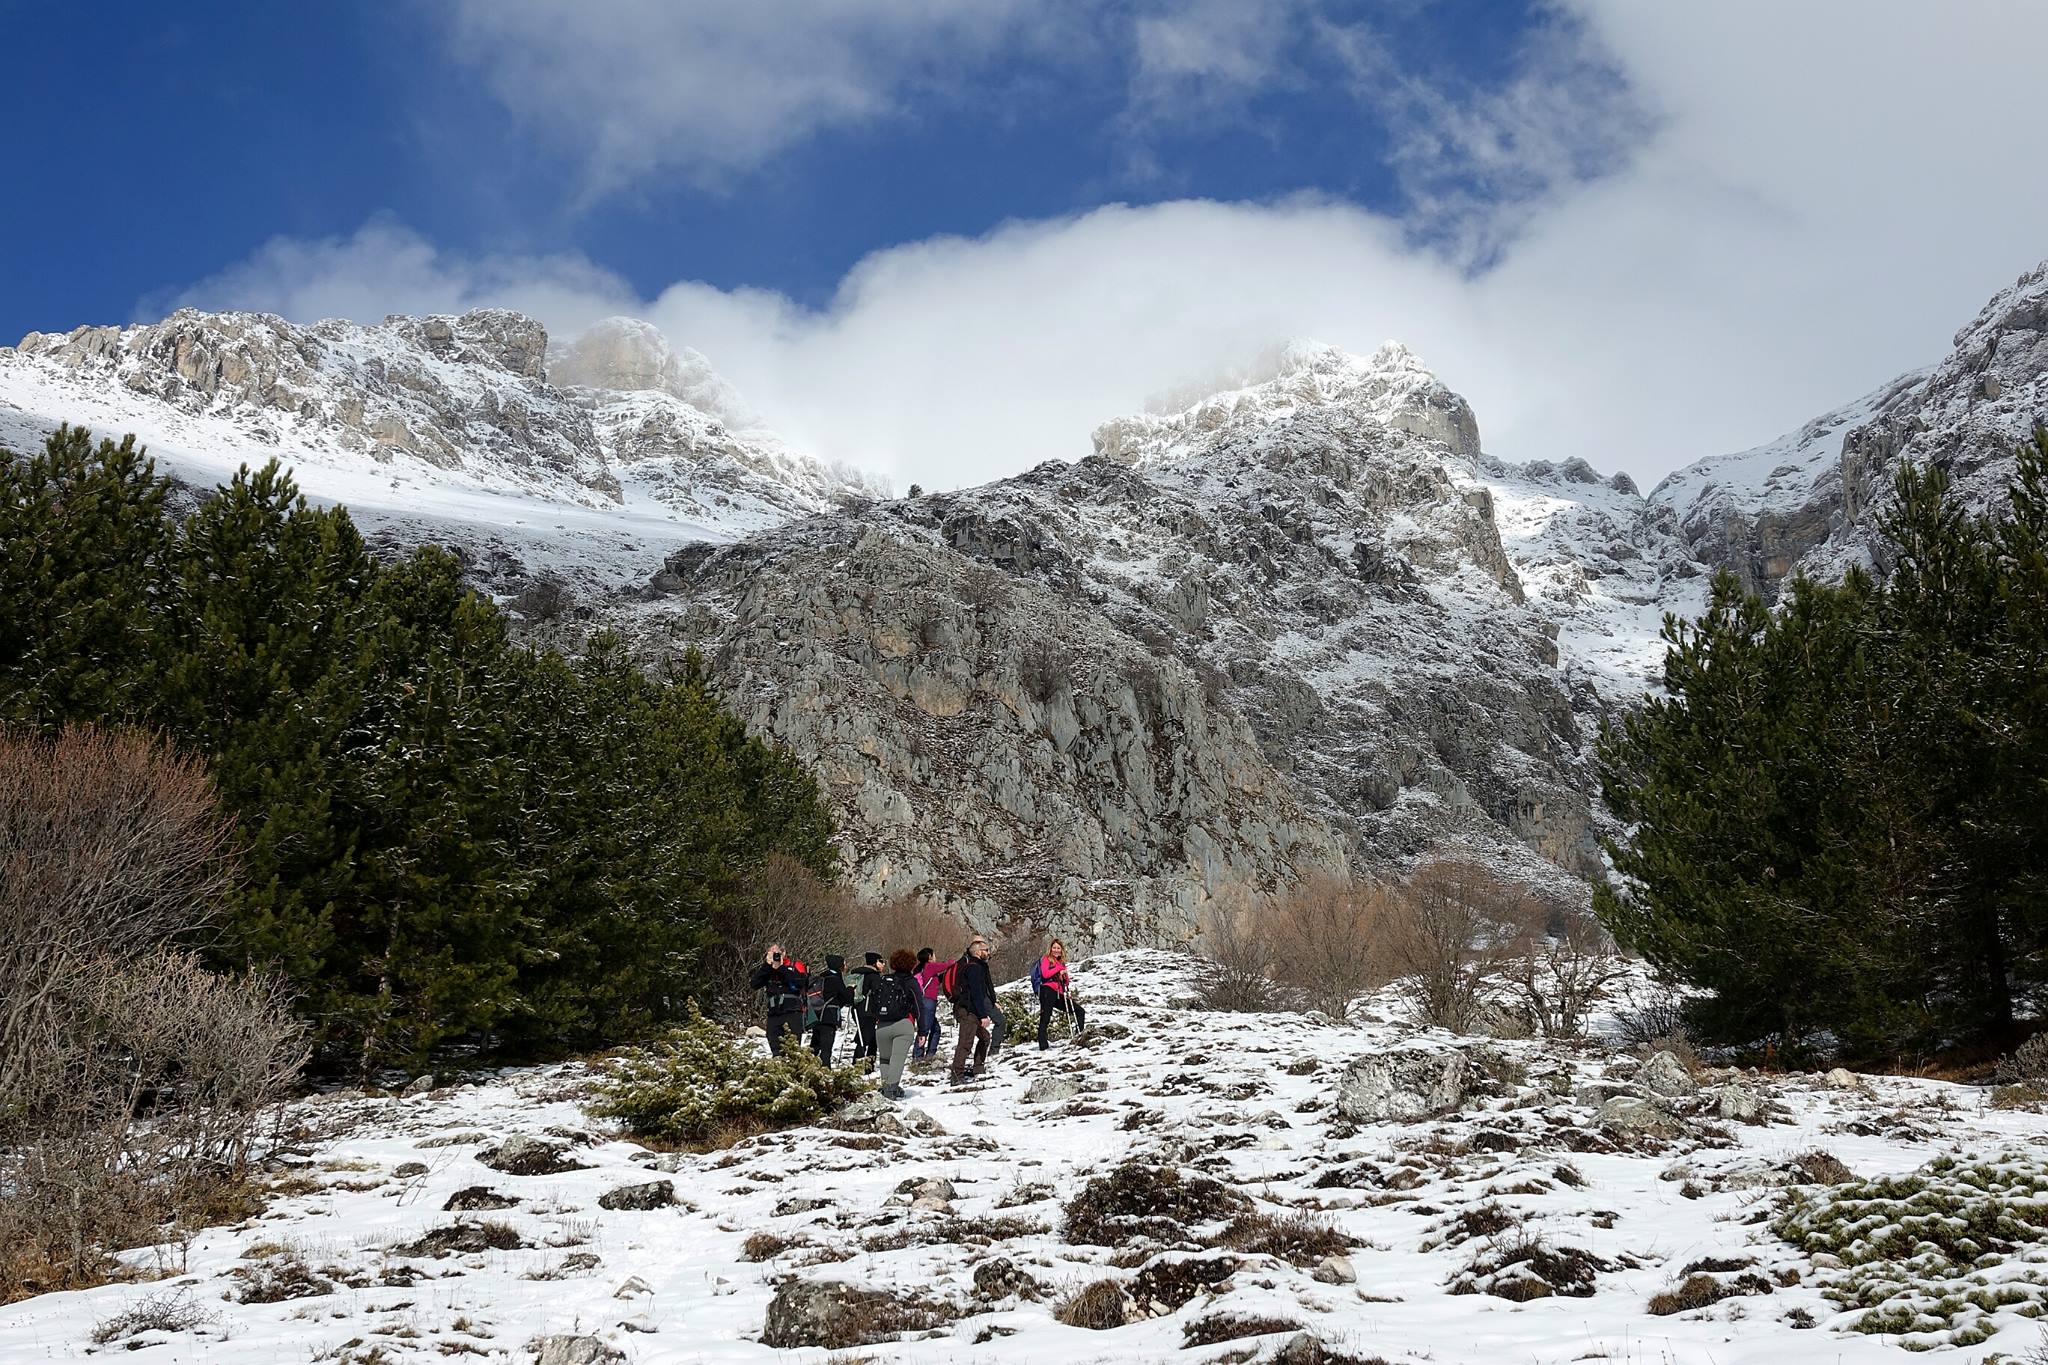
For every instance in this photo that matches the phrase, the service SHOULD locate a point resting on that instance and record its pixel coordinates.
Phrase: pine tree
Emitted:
(442, 835)
(1836, 813)
(83, 535)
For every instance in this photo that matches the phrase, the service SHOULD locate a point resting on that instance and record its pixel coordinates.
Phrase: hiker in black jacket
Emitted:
(781, 981)
(974, 1009)
(833, 994)
(864, 1007)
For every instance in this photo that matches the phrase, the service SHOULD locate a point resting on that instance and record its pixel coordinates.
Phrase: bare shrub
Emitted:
(1458, 916)
(1148, 689)
(1237, 971)
(790, 905)
(170, 1310)
(907, 922)
(1651, 1015)
(110, 846)
(132, 1079)
(985, 589)
(2027, 1063)
(1043, 670)
(1561, 967)
(1332, 939)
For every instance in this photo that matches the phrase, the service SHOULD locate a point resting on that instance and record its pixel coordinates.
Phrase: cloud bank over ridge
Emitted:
(1672, 231)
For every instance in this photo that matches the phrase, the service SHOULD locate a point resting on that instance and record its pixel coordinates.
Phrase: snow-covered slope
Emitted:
(1803, 503)
(955, 1203)
(438, 428)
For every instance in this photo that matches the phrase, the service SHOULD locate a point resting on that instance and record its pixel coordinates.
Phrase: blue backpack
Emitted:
(1037, 978)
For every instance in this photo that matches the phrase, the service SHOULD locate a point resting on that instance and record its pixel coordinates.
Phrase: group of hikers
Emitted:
(895, 1004)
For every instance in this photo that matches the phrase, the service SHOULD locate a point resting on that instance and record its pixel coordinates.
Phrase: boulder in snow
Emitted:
(655, 1194)
(1404, 1083)
(572, 1350)
(524, 1154)
(1665, 1075)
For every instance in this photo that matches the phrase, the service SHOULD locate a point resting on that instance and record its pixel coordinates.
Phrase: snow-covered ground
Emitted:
(1247, 1100)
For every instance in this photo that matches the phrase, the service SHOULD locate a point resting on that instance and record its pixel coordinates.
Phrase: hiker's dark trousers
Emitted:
(1051, 1003)
(783, 1026)
(822, 1037)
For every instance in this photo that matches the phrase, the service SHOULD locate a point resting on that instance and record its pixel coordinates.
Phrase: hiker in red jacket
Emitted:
(1056, 992)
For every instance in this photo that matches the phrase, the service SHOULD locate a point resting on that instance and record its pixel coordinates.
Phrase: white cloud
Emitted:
(385, 267)
(707, 88)
(1826, 192)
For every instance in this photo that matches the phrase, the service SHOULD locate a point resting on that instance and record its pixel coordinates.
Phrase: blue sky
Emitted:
(1639, 233)
(220, 126)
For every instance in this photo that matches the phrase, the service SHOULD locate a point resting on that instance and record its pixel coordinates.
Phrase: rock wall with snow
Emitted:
(1804, 502)
(588, 459)
(1290, 621)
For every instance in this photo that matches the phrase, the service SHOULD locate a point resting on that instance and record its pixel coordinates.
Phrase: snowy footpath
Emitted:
(1533, 1218)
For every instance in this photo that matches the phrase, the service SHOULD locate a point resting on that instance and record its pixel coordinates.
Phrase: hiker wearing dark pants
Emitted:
(974, 1009)
(864, 978)
(896, 997)
(833, 995)
(1056, 992)
(781, 983)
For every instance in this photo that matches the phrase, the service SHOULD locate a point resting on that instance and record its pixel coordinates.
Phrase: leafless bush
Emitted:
(1043, 671)
(131, 1079)
(169, 1310)
(985, 589)
(788, 905)
(907, 922)
(1561, 967)
(812, 918)
(1148, 689)
(544, 599)
(1459, 915)
(1650, 1015)
(1332, 939)
(1237, 971)
(168, 1069)
(110, 846)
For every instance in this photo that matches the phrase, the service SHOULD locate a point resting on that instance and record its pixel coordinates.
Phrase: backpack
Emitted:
(1038, 978)
(814, 1004)
(893, 1000)
(949, 980)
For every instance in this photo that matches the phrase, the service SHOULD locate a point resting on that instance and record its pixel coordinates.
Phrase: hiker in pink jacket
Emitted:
(1056, 992)
(929, 970)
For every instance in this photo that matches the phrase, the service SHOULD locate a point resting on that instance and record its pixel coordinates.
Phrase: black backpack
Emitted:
(891, 998)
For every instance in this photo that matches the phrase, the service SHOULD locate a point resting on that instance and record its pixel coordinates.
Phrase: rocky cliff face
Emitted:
(1273, 634)
(1803, 503)
(988, 739)
(1289, 622)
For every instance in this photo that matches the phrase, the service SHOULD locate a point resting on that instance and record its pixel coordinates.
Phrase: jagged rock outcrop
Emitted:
(1804, 502)
(987, 740)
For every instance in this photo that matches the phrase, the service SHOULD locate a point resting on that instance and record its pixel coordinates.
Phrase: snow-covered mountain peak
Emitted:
(1389, 389)
(629, 355)
(443, 428)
